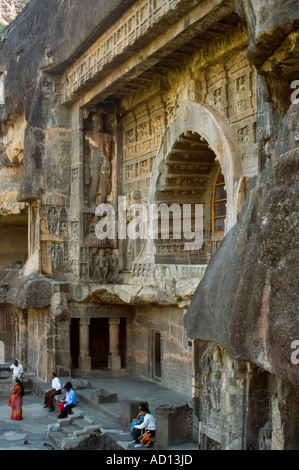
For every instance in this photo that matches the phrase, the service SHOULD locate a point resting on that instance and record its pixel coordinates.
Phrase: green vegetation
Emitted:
(9, 9)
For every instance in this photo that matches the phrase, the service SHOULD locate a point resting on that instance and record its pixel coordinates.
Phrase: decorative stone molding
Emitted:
(132, 26)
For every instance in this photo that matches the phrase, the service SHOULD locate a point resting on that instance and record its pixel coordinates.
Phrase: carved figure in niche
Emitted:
(89, 228)
(63, 229)
(265, 436)
(133, 246)
(113, 263)
(84, 255)
(216, 379)
(56, 254)
(205, 377)
(98, 153)
(104, 265)
(52, 220)
(211, 379)
(63, 222)
(100, 265)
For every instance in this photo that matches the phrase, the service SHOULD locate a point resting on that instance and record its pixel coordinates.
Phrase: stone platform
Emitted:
(93, 424)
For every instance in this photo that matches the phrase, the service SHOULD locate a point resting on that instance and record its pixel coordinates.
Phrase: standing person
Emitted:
(50, 394)
(148, 424)
(69, 401)
(15, 401)
(16, 371)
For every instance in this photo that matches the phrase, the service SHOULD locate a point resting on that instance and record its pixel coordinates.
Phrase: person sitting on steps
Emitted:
(50, 394)
(148, 424)
(69, 401)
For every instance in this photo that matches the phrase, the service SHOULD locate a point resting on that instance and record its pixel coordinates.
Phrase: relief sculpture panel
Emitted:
(99, 264)
(54, 234)
(98, 155)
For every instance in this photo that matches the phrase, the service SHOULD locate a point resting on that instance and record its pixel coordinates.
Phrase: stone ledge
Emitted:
(103, 396)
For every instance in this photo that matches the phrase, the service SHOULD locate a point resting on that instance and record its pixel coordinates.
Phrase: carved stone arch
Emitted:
(214, 129)
(204, 123)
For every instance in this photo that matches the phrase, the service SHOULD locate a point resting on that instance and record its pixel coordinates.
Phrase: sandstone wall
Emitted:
(247, 300)
(175, 350)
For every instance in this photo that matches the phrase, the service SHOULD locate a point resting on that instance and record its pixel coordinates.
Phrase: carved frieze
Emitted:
(217, 86)
(99, 310)
(99, 264)
(142, 133)
(173, 252)
(123, 33)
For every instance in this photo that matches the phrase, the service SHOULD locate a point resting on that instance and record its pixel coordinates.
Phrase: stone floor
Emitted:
(32, 433)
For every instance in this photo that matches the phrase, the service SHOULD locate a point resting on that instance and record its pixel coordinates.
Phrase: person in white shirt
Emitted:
(148, 424)
(50, 394)
(16, 371)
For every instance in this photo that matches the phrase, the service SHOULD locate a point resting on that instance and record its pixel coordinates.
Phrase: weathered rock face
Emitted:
(247, 300)
(269, 22)
(35, 38)
(9, 9)
(162, 104)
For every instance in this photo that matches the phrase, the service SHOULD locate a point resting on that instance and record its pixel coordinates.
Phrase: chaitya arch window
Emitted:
(219, 203)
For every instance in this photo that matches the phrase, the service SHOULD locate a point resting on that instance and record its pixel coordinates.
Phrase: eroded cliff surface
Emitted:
(248, 298)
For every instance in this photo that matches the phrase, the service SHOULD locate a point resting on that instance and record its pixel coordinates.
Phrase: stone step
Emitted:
(110, 410)
(56, 436)
(74, 432)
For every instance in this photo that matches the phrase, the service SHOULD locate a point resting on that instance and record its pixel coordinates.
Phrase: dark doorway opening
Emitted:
(99, 342)
(75, 342)
(157, 353)
(123, 341)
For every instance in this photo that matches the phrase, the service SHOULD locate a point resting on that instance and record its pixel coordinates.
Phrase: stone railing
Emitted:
(157, 272)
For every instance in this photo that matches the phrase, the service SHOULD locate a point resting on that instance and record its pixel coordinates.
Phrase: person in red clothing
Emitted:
(15, 401)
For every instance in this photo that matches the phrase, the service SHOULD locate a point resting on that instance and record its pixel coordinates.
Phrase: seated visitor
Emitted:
(148, 424)
(69, 401)
(50, 394)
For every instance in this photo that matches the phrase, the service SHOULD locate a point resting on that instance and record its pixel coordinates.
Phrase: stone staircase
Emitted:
(75, 432)
(79, 432)
(99, 421)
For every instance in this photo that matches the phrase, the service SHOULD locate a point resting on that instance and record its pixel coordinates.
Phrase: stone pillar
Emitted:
(84, 359)
(114, 360)
(63, 366)
(174, 424)
(22, 343)
(77, 190)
